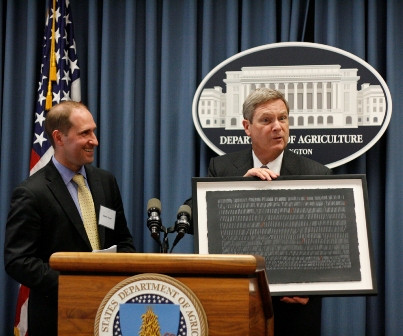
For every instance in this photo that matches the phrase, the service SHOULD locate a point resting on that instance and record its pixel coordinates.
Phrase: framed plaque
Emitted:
(313, 231)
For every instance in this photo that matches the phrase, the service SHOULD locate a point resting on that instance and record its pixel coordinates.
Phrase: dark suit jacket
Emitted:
(42, 220)
(238, 163)
(289, 319)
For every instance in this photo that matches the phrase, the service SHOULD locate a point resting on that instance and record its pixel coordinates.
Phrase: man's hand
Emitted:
(295, 299)
(262, 173)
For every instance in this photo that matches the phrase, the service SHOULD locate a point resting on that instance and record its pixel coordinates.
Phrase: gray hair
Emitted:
(260, 96)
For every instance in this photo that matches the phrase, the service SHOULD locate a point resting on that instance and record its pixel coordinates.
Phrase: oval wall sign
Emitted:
(339, 104)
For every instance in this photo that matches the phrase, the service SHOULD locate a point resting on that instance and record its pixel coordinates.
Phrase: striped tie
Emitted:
(264, 166)
(87, 211)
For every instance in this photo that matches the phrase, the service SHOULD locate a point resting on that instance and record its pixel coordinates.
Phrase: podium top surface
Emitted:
(157, 263)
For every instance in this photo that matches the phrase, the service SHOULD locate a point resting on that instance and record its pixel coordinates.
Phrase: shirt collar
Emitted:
(274, 165)
(66, 173)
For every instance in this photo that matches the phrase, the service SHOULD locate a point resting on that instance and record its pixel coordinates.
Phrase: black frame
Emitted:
(354, 185)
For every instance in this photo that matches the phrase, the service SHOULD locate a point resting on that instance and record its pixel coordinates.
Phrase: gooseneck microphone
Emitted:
(182, 223)
(154, 222)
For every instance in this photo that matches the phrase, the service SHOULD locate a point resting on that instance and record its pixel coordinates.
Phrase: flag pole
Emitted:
(52, 68)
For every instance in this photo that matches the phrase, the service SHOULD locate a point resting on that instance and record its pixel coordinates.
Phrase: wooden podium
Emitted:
(233, 289)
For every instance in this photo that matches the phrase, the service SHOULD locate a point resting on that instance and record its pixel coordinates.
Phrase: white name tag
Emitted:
(107, 217)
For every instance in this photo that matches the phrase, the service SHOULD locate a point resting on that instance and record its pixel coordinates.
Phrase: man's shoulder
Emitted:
(93, 169)
(231, 164)
(233, 156)
(103, 174)
(296, 164)
(40, 175)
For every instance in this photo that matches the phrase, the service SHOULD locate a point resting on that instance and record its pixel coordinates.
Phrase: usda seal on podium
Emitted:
(150, 304)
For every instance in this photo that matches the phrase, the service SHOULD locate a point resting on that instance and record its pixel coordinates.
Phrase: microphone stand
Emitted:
(165, 243)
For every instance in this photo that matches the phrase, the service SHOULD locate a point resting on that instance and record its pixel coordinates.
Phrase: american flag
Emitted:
(59, 81)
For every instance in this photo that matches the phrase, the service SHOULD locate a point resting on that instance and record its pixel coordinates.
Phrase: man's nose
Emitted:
(276, 125)
(94, 140)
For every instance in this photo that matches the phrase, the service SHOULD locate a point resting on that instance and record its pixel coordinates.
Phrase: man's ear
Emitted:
(246, 125)
(57, 137)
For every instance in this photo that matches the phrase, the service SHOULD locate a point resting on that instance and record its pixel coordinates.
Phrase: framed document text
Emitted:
(313, 231)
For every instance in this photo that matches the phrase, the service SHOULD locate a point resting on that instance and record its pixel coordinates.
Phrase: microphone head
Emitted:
(185, 209)
(155, 204)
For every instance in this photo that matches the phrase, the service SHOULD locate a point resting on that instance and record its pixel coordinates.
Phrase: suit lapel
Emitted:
(98, 195)
(59, 190)
(289, 166)
(243, 163)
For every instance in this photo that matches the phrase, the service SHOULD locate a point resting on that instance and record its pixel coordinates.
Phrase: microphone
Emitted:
(154, 222)
(182, 224)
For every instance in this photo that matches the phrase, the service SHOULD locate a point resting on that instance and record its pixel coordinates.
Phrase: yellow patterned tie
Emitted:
(87, 211)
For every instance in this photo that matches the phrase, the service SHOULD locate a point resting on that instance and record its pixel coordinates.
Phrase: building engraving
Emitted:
(319, 96)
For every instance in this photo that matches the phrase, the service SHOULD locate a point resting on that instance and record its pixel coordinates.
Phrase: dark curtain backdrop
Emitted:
(141, 63)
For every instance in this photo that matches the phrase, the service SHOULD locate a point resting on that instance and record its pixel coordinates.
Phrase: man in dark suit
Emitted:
(266, 121)
(46, 217)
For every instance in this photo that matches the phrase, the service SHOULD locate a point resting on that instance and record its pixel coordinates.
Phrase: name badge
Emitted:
(107, 217)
